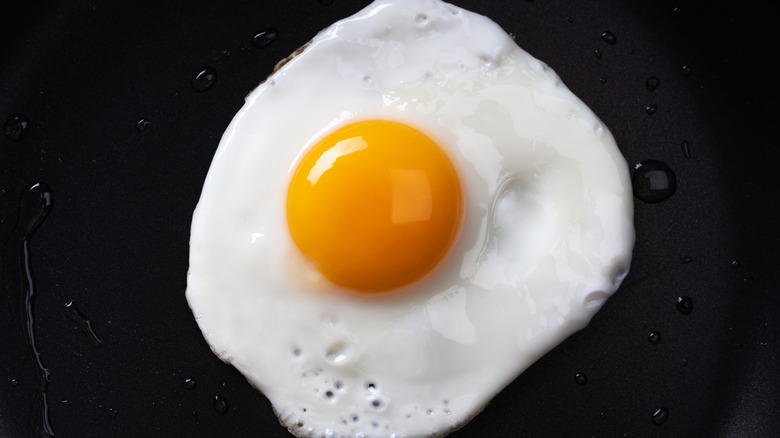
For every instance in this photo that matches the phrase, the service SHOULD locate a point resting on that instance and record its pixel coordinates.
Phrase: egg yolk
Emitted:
(375, 204)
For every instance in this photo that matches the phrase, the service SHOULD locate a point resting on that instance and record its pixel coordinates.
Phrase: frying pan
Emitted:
(117, 144)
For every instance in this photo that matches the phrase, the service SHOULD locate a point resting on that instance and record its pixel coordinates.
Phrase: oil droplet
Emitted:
(597, 52)
(16, 127)
(651, 109)
(142, 124)
(265, 37)
(659, 416)
(685, 305)
(189, 384)
(580, 378)
(686, 149)
(34, 207)
(609, 37)
(685, 70)
(654, 337)
(205, 79)
(686, 259)
(653, 181)
(83, 322)
(652, 83)
(221, 405)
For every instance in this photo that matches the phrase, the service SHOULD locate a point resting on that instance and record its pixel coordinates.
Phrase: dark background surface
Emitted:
(115, 244)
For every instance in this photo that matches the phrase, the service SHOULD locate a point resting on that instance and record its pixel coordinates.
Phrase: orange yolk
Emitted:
(376, 205)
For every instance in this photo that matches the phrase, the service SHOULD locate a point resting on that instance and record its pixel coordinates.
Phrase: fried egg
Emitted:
(401, 219)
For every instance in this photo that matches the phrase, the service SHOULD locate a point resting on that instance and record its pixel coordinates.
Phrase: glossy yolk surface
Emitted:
(375, 204)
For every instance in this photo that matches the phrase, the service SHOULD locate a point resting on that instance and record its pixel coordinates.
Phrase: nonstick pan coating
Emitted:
(120, 143)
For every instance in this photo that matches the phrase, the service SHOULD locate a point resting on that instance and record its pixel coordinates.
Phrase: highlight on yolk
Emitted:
(375, 204)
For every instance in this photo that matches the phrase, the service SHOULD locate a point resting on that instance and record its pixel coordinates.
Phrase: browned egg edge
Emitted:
(281, 64)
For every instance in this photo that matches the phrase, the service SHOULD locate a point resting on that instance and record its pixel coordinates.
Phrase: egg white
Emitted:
(546, 238)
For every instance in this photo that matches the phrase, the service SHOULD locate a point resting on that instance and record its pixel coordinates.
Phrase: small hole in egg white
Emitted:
(371, 386)
(421, 19)
(594, 299)
(336, 353)
(329, 394)
(619, 276)
(355, 418)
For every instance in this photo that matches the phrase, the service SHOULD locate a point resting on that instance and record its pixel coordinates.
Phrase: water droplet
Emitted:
(221, 405)
(142, 124)
(685, 305)
(659, 416)
(580, 378)
(685, 70)
(194, 413)
(570, 20)
(676, 12)
(653, 181)
(684, 363)
(652, 83)
(265, 37)
(686, 149)
(224, 385)
(205, 79)
(14, 382)
(603, 80)
(16, 127)
(651, 109)
(734, 264)
(654, 337)
(609, 37)
(686, 259)
(189, 384)
(597, 52)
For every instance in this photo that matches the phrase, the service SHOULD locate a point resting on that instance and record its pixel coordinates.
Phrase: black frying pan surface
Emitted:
(120, 143)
